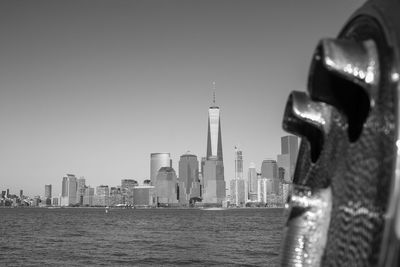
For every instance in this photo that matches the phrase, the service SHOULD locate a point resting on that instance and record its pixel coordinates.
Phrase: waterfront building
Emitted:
(238, 192)
(68, 191)
(285, 192)
(144, 196)
(127, 186)
(265, 189)
(213, 169)
(252, 182)
(47, 191)
(80, 191)
(166, 186)
(115, 196)
(189, 183)
(102, 196)
(55, 201)
(21, 194)
(287, 158)
(269, 169)
(238, 163)
(157, 161)
(284, 167)
(47, 194)
(88, 197)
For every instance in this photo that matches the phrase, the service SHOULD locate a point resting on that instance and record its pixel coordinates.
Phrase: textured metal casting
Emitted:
(345, 205)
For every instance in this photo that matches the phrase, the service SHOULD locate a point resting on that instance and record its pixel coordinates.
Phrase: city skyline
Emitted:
(93, 90)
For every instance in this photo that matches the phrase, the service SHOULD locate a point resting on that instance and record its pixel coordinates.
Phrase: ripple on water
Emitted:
(154, 237)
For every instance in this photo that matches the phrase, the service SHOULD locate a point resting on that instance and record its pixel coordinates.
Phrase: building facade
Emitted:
(213, 169)
(157, 161)
(80, 191)
(189, 183)
(47, 191)
(102, 196)
(238, 163)
(144, 196)
(287, 158)
(252, 182)
(127, 186)
(238, 192)
(166, 186)
(68, 191)
(269, 169)
(88, 197)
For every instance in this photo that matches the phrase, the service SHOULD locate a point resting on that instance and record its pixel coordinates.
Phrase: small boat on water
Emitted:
(107, 208)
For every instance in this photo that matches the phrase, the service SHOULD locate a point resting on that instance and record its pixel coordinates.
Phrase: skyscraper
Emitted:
(238, 186)
(47, 194)
(88, 197)
(166, 186)
(47, 191)
(144, 195)
(252, 181)
(127, 186)
(287, 160)
(157, 161)
(213, 176)
(238, 194)
(214, 139)
(102, 196)
(68, 192)
(269, 169)
(238, 163)
(189, 183)
(81, 186)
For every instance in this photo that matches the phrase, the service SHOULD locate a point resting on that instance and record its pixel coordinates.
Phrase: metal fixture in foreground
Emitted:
(345, 206)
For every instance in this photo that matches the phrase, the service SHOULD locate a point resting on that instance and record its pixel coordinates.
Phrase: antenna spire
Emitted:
(214, 93)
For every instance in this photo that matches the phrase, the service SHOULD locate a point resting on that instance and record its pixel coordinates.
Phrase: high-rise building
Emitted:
(288, 157)
(144, 195)
(21, 194)
(68, 192)
(238, 163)
(269, 169)
(213, 169)
(88, 197)
(47, 191)
(102, 196)
(157, 161)
(166, 186)
(252, 181)
(115, 196)
(80, 190)
(127, 186)
(238, 192)
(189, 183)
(265, 189)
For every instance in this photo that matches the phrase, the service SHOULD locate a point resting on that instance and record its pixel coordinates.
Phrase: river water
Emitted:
(140, 237)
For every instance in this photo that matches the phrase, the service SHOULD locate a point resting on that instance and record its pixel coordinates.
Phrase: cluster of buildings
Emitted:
(8, 199)
(196, 183)
(271, 185)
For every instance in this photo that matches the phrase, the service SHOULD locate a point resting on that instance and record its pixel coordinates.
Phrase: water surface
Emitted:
(139, 237)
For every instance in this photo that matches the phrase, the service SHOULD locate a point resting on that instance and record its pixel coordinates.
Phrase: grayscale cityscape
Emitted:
(199, 133)
(196, 183)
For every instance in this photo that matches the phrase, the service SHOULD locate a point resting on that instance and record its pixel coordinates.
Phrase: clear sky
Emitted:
(93, 87)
